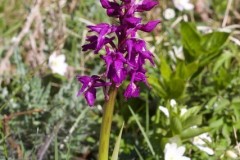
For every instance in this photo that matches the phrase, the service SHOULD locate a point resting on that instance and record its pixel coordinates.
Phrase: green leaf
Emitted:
(157, 87)
(165, 69)
(216, 123)
(226, 133)
(190, 39)
(185, 71)
(142, 130)
(223, 58)
(212, 44)
(191, 112)
(192, 121)
(176, 88)
(176, 125)
(192, 132)
(214, 41)
(117, 145)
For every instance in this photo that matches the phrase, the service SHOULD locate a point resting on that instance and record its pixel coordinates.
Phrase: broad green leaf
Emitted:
(165, 69)
(176, 88)
(192, 121)
(176, 125)
(185, 71)
(192, 132)
(191, 112)
(192, 68)
(157, 87)
(223, 58)
(216, 123)
(117, 145)
(214, 41)
(191, 39)
(226, 133)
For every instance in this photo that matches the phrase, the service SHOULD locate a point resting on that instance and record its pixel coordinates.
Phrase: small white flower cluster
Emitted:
(177, 52)
(200, 142)
(173, 152)
(173, 104)
(57, 63)
(181, 5)
(169, 13)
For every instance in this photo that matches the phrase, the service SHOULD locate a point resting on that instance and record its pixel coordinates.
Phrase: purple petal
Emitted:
(131, 91)
(90, 96)
(146, 5)
(131, 21)
(139, 76)
(149, 26)
(99, 27)
(119, 74)
(105, 3)
(114, 10)
(92, 45)
(85, 81)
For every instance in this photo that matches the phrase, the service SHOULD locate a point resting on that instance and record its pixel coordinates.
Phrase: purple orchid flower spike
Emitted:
(124, 59)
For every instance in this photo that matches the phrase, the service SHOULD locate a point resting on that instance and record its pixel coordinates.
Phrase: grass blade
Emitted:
(117, 145)
(143, 132)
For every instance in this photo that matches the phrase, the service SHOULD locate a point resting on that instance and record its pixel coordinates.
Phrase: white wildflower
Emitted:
(169, 13)
(199, 142)
(183, 5)
(173, 152)
(173, 103)
(231, 154)
(164, 110)
(57, 63)
(183, 111)
(178, 51)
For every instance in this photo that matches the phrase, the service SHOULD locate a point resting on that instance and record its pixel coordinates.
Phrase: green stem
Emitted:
(106, 124)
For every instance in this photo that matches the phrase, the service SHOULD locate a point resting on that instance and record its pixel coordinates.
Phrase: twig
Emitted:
(235, 40)
(236, 138)
(43, 149)
(225, 19)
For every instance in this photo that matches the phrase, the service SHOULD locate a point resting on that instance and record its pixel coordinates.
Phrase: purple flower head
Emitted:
(125, 58)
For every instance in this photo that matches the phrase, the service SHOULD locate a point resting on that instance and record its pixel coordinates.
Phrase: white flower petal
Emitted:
(183, 5)
(173, 103)
(183, 111)
(208, 150)
(57, 63)
(164, 110)
(181, 150)
(231, 154)
(169, 13)
(172, 152)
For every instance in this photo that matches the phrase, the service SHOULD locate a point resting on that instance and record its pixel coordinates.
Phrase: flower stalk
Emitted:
(106, 124)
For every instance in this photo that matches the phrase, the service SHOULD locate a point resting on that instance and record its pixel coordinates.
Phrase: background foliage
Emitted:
(41, 117)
